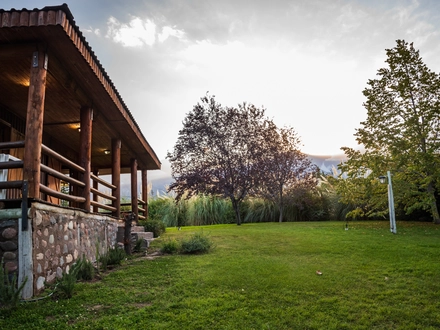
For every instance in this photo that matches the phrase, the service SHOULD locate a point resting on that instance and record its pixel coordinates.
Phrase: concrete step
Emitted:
(146, 237)
(137, 229)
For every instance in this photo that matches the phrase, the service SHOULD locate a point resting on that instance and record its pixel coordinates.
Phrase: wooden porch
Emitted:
(63, 124)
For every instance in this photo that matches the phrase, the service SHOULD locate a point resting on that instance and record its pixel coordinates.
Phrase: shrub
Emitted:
(85, 270)
(170, 246)
(67, 283)
(197, 243)
(113, 256)
(10, 293)
(138, 245)
(157, 227)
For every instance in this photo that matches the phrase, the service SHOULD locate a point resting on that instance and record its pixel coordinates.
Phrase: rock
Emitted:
(9, 233)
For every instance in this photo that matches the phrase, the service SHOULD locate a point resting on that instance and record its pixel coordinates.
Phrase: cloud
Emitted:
(134, 34)
(139, 32)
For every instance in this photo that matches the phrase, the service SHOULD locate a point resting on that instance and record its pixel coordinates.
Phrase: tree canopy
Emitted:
(218, 151)
(235, 152)
(287, 172)
(401, 132)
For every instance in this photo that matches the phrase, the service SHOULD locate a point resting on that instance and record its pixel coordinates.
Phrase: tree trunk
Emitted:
(236, 206)
(434, 209)
(281, 213)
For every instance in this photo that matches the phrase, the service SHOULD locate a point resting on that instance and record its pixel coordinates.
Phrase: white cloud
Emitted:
(139, 32)
(134, 34)
(168, 31)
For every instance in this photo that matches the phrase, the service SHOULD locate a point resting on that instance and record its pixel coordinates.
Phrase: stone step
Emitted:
(137, 229)
(146, 237)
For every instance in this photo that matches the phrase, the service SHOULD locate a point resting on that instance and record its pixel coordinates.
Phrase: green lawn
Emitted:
(263, 276)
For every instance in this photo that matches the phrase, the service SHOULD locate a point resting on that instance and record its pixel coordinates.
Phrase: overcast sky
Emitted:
(306, 62)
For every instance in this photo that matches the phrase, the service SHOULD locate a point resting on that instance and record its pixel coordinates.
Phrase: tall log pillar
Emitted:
(134, 190)
(145, 191)
(34, 123)
(116, 175)
(85, 152)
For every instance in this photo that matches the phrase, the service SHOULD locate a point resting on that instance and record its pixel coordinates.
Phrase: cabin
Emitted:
(66, 139)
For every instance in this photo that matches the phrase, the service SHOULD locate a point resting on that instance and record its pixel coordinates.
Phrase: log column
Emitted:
(85, 152)
(134, 191)
(116, 175)
(145, 191)
(34, 123)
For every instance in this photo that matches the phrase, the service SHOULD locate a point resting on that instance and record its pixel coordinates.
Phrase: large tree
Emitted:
(287, 171)
(219, 151)
(401, 132)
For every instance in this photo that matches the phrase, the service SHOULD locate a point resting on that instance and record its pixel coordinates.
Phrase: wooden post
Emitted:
(85, 152)
(145, 191)
(127, 233)
(34, 123)
(116, 175)
(95, 186)
(134, 191)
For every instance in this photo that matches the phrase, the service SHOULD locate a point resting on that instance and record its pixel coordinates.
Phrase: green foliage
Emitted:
(10, 292)
(399, 135)
(138, 245)
(196, 244)
(114, 256)
(157, 227)
(84, 269)
(209, 210)
(66, 285)
(170, 246)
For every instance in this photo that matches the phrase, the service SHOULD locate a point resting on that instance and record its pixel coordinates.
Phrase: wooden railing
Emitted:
(96, 192)
(105, 199)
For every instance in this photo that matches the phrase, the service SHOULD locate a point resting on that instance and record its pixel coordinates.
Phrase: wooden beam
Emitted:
(116, 176)
(85, 152)
(134, 191)
(34, 122)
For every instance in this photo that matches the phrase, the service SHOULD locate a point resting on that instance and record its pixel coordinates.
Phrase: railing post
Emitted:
(134, 190)
(85, 153)
(116, 175)
(95, 186)
(145, 191)
(34, 122)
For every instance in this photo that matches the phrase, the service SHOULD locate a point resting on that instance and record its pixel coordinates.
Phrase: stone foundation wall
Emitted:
(61, 236)
(9, 244)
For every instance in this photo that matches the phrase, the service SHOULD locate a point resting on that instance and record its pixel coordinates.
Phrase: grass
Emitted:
(263, 276)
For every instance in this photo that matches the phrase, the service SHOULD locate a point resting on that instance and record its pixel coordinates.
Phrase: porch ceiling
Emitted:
(75, 78)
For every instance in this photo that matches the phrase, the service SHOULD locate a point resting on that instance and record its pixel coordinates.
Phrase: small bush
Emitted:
(113, 256)
(197, 243)
(10, 293)
(157, 227)
(67, 283)
(170, 246)
(85, 269)
(138, 247)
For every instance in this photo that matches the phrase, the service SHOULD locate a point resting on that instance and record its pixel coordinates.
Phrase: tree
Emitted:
(218, 151)
(401, 132)
(288, 172)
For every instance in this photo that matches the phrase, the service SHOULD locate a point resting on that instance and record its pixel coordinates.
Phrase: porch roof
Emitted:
(75, 78)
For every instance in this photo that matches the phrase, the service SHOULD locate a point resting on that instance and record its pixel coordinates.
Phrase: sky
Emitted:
(305, 61)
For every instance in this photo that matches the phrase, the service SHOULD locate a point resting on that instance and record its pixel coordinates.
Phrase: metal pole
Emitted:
(393, 228)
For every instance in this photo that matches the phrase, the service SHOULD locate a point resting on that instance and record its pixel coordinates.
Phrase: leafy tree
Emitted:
(401, 132)
(218, 151)
(288, 173)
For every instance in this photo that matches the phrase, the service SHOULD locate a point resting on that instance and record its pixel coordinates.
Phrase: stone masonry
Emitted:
(61, 236)
(9, 244)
